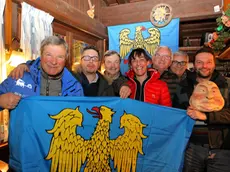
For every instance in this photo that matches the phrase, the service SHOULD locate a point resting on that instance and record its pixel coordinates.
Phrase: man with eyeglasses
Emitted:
(176, 72)
(209, 145)
(162, 59)
(179, 64)
(93, 83)
(172, 67)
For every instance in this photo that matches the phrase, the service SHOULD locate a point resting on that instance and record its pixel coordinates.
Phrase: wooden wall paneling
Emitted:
(97, 4)
(70, 16)
(69, 41)
(74, 34)
(77, 34)
(78, 4)
(8, 24)
(101, 47)
(192, 26)
(131, 13)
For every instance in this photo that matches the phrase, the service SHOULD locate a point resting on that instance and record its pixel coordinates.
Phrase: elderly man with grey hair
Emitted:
(162, 59)
(47, 77)
(179, 63)
(172, 67)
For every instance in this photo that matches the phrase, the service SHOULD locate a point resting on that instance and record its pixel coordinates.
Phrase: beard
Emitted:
(200, 75)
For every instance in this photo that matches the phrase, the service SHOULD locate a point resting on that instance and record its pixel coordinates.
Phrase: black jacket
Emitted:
(103, 89)
(218, 123)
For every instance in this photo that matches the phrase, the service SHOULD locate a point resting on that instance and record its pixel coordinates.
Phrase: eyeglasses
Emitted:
(88, 58)
(167, 57)
(182, 63)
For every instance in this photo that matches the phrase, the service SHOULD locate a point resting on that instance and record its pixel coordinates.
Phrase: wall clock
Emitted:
(161, 15)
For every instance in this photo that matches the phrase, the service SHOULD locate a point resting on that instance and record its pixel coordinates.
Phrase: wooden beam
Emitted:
(122, 1)
(69, 15)
(140, 11)
(77, 34)
(8, 24)
(19, 17)
(198, 25)
(225, 55)
(191, 34)
(208, 29)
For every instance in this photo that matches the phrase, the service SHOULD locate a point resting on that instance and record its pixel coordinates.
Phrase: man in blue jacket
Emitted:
(48, 76)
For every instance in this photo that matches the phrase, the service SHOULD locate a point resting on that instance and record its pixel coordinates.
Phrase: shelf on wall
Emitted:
(195, 48)
(225, 55)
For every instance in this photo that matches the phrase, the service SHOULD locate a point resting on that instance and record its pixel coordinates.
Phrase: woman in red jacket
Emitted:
(144, 83)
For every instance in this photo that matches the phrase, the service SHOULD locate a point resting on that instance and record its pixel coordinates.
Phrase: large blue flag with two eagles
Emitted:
(96, 134)
(124, 38)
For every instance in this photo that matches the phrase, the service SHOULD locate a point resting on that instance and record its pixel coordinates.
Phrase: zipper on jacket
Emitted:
(47, 87)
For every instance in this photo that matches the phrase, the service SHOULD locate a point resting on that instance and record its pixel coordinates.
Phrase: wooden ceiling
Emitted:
(118, 2)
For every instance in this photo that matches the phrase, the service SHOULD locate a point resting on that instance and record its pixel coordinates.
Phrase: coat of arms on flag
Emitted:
(124, 38)
(96, 134)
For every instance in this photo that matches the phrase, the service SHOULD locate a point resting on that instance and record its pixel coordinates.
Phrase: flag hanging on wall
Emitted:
(107, 134)
(124, 38)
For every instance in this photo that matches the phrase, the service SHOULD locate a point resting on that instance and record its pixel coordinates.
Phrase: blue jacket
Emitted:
(29, 84)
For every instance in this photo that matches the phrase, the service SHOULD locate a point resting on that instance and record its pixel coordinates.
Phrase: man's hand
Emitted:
(9, 100)
(18, 72)
(125, 91)
(195, 114)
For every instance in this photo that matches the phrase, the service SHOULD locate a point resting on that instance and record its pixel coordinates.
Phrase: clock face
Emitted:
(161, 15)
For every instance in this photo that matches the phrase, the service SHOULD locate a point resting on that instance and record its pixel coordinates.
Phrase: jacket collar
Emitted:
(154, 75)
(67, 77)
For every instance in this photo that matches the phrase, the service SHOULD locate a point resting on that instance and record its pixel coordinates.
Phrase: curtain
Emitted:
(2, 45)
(36, 25)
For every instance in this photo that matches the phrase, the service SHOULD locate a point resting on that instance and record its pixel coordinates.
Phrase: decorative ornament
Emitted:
(161, 15)
(206, 97)
(91, 10)
(223, 32)
(219, 28)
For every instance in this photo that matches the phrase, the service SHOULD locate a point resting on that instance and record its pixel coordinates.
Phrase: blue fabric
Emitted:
(169, 36)
(29, 84)
(167, 131)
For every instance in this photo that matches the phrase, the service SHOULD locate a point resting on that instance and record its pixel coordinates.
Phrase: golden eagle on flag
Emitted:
(68, 150)
(150, 43)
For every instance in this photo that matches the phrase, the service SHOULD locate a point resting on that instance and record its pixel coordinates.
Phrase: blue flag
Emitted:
(124, 38)
(107, 134)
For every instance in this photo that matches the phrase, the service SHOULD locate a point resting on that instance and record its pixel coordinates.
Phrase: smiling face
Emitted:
(90, 66)
(206, 97)
(204, 64)
(112, 64)
(162, 59)
(139, 64)
(53, 59)
(179, 64)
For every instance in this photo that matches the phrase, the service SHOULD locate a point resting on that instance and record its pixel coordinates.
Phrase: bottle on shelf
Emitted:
(188, 44)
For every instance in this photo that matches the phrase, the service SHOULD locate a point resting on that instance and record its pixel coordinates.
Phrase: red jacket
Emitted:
(155, 90)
